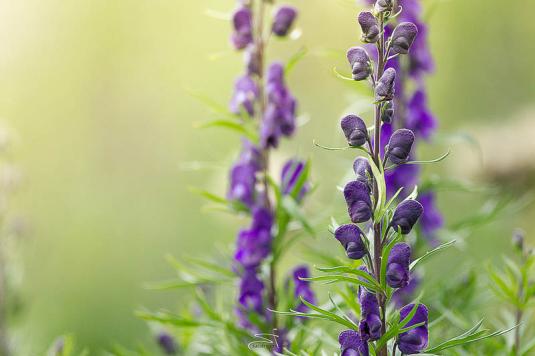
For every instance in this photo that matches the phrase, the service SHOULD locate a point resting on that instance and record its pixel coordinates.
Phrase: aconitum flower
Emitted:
(252, 60)
(419, 118)
(291, 174)
(302, 288)
(254, 244)
(243, 175)
(355, 130)
(242, 20)
(384, 90)
(397, 270)
(370, 323)
(350, 236)
(167, 343)
(406, 215)
(359, 204)
(283, 20)
(399, 146)
(414, 341)
(250, 296)
(360, 63)
(405, 176)
(245, 95)
(351, 344)
(431, 219)
(363, 171)
(370, 27)
(403, 37)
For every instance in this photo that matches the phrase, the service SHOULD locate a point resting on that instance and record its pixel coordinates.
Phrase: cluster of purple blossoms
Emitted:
(412, 110)
(264, 97)
(363, 196)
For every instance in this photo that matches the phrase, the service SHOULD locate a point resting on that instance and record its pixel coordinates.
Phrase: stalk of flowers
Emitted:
(262, 96)
(385, 257)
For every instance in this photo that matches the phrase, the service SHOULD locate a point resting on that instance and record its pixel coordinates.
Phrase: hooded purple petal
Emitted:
(399, 146)
(355, 130)
(397, 270)
(283, 20)
(351, 344)
(414, 341)
(350, 236)
(406, 215)
(358, 201)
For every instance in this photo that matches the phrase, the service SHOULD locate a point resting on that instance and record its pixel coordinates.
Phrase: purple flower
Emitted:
(359, 204)
(406, 215)
(370, 28)
(350, 236)
(291, 174)
(399, 146)
(254, 244)
(167, 343)
(351, 344)
(250, 297)
(283, 20)
(281, 340)
(414, 341)
(431, 219)
(405, 176)
(243, 175)
(370, 323)
(245, 94)
(360, 63)
(252, 59)
(363, 171)
(242, 20)
(384, 89)
(302, 288)
(355, 130)
(397, 270)
(403, 37)
(419, 118)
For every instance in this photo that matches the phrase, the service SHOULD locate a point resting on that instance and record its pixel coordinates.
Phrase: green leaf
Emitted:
(336, 278)
(436, 160)
(296, 58)
(341, 76)
(292, 208)
(172, 319)
(212, 105)
(232, 125)
(350, 270)
(430, 253)
(384, 259)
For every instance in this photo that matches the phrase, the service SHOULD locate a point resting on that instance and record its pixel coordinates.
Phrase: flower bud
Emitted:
(242, 20)
(397, 270)
(403, 37)
(415, 340)
(383, 5)
(360, 63)
(406, 215)
(167, 343)
(245, 94)
(369, 26)
(283, 20)
(370, 322)
(355, 130)
(384, 89)
(359, 204)
(518, 239)
(350, 236)
(399, 146)
(363, 171)
(387, 112)
(252, 60)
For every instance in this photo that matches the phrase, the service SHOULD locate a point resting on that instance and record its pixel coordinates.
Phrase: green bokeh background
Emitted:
(97, 92)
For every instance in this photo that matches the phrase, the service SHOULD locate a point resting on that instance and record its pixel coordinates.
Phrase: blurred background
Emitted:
(96, 94)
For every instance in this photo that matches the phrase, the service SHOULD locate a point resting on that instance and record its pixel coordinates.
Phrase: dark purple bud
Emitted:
(283, 20)
(359, 204)
(383, 5)
(352, 344)
(254, 244)
(242, 20)
(397, 270)
(252, 60)
(167, 343)
(250, 297)
(403, 37)
(414, 341)
(384, 89)
(399, 146)
(387, 112)
(370, 322)
(363, 171)
(360, 63)
(291, 174)
(350, 236)
(406, 215)
(355, 130)
(369, 26)
(245, 94)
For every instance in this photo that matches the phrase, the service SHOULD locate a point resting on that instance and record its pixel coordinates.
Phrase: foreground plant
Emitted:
(382, 263)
